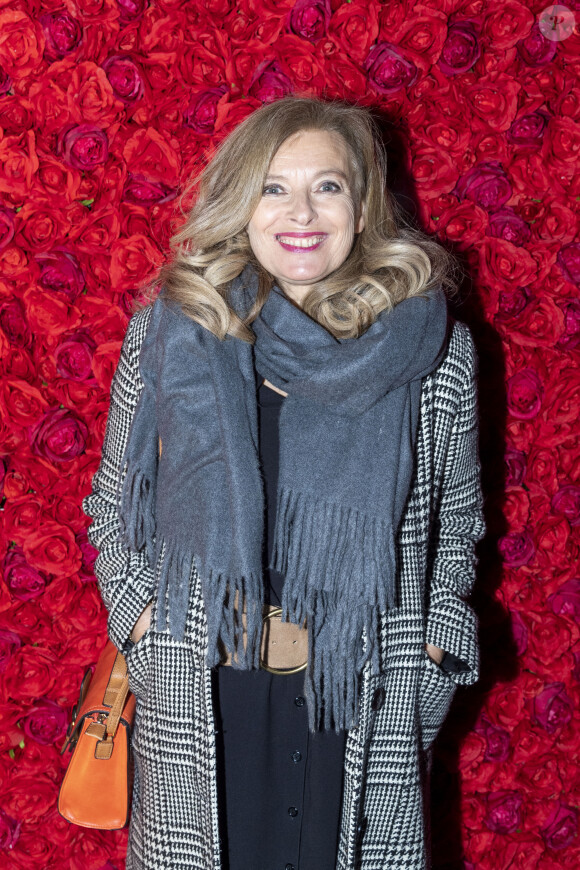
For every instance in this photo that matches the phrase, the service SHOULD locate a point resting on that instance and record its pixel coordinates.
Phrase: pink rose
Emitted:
(125, 77)
(497, 740)
(535, 50)
(486, 184)
(9, 643)
(74, 357)
(517, 548)
(309, 19)
(62, 33)
(131, 10)
(142, 191)
(519, 631)
(61, 273)
(515, 463)
(9, 831)
(567, 599)
(84, 147)
(5, 82)
(24, 581)
(46, 722)
(552, 707)
(6, 226)
(528, 130)
(568, 260)
(269, 83)
(506, 224)
(561, 827)
(524, 394)
(88, 553)
(13, 323)
(201, 113)
(504, 811)
(512, 303)
(59, 436)
(461, 49)
(571, 337)
(567, 502)
(388, 71)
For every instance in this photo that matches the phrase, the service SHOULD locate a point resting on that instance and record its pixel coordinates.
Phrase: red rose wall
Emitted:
(106, 106)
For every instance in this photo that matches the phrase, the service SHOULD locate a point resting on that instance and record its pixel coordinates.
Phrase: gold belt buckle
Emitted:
(282, 641)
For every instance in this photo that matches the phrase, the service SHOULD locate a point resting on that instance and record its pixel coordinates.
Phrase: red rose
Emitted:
(29, 796)
(5, 82)
(152, 155)
(46, 722)
(84, 147)
(18, 163)
(552, 708)
(105, 362)
(29, 675)
(388, 70)
(91, 97)
(561, 827)
(59, 436)
(53, 548)
(461, 48)
(9, 831)
(355, 27)
(570, 338)
(126, 78)
(74, 355)
(561, 145)
(309, 18)
(13, 323)
(21, 43)
(301, 63)
(23, 403)
(24, 581)
(6, 226)
(567, 502)
(508, 706)
(62, 33)
(9, 643)
(463, 223)
(61, 273)
(49, 314)
(504, 811)
(133, 260)
(524, 394)
(54, 179)
(141, 191)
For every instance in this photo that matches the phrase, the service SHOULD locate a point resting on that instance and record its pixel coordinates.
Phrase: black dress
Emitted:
(280, 785)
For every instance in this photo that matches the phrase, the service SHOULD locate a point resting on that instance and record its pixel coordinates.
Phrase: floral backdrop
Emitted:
(106, 106)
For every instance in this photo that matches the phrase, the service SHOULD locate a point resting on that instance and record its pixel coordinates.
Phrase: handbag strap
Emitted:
(117, 688)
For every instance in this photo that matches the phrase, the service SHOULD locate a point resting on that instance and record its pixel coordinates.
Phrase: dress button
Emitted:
(300, 701)
(378, 699)
(361, 827)
(296, 757)
(289, 867)
(292, 812)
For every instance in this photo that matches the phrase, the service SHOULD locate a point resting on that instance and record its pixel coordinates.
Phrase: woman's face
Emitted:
(304, 226)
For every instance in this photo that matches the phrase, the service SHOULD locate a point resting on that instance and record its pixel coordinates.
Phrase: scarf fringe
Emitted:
(223, 594)
(136, 508)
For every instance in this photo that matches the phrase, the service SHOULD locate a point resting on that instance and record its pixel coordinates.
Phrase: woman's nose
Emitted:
(302, 208)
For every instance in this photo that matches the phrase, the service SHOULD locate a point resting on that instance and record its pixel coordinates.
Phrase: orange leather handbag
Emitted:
(96, 789)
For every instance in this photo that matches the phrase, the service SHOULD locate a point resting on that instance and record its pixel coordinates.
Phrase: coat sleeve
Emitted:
(451, 622)
(126, 579)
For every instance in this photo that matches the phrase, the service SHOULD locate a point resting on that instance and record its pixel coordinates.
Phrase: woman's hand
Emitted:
(141, 625)
(435, 653)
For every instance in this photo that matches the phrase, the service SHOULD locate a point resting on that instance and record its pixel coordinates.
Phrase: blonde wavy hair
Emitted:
(389, 260)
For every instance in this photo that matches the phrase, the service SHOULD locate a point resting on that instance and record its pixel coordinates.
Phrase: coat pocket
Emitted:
(139, 665)
(436, 691)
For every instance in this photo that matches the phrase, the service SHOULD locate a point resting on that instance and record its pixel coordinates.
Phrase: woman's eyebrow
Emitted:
(318, 174)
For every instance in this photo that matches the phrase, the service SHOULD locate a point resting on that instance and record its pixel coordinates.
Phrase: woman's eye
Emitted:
(329, 186)
(272, 189)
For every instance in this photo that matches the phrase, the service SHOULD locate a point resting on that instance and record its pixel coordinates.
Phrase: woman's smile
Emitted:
(301, 242)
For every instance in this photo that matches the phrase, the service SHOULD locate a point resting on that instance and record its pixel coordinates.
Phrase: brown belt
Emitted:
(284, 645)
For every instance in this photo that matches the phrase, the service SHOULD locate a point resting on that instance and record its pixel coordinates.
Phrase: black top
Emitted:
(280, 784)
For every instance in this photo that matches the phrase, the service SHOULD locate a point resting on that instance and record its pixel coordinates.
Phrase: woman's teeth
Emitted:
(309, 242)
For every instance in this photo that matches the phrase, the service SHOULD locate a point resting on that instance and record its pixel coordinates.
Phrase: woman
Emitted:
(293, 423)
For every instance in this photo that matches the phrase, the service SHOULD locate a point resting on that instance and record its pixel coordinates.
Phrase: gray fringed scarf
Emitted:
(347, 436)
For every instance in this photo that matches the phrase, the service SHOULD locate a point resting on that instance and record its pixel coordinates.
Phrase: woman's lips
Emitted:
(300, 241)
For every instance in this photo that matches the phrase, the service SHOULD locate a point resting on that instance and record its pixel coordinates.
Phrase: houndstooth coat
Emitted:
(174, 823)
